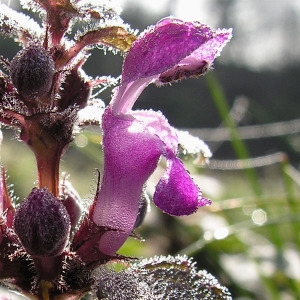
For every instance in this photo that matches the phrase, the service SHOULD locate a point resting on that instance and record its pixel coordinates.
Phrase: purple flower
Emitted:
(134, 141)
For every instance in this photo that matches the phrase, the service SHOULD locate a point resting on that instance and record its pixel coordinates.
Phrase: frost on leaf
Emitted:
(113, 36)
(160, 277)
(192, 146)
(59, 14)
(108, 10)
(16, 24)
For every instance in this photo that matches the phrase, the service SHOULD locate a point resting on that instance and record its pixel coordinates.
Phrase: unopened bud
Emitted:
(32, 71)
(42, 224)
(72, 203)
(75, 90)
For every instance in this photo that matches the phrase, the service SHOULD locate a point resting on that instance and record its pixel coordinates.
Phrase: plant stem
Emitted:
(48, 169)
(47, 151)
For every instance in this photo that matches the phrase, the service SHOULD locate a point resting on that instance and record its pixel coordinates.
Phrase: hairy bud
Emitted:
(72, 203)
(75, 90)
(42, 224)
(32, 71)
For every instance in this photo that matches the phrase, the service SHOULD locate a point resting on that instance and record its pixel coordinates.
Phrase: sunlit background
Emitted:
(247, 110)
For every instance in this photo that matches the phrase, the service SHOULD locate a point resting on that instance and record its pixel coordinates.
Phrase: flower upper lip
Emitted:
(170, 45)
(166, 44)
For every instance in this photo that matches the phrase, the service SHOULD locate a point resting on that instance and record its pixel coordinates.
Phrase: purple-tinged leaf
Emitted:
(114, 36)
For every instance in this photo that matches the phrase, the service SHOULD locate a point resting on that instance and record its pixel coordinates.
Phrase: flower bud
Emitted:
(42, 224)
(75, 89)
(32, 71)
(72, 203)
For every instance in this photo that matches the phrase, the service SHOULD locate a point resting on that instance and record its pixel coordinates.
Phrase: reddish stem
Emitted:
(48, 160)
(47, 151)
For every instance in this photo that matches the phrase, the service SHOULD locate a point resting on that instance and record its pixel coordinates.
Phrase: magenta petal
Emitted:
(176, 194)
(131, 154)
(164, 45)
(133, 141)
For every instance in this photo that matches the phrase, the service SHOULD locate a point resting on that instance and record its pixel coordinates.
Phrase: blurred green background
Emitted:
(247, 110)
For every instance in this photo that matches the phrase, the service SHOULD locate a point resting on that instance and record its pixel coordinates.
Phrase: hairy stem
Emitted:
(47, 151)
(48, 168)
